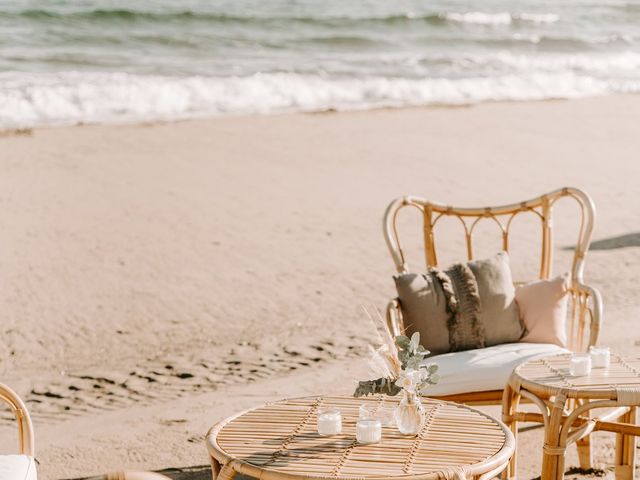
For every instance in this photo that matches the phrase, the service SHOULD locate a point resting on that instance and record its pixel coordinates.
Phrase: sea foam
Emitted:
(70, 98)
(501, 18)
(65, 62)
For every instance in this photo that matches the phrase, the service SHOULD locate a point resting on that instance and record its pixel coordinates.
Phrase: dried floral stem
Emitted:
(400, 362)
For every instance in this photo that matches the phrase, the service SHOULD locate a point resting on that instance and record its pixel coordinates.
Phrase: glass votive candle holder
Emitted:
(580, 364)
(387, 416)
(368, 430)
(600, 357)
(329, 421)
(367, 411)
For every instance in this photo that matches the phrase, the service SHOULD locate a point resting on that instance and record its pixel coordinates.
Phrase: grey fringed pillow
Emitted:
(469, 305)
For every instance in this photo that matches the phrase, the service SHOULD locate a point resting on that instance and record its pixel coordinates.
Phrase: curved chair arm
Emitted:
(595, 310)
(394, 318)
(25, 427)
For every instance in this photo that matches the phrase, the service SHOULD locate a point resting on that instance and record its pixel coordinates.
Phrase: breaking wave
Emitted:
(69, 98)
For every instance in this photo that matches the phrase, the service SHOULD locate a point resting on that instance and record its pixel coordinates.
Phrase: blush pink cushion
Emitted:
(543, 310)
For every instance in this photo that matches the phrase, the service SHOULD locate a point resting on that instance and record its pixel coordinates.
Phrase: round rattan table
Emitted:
(279, 441)
(566, 405)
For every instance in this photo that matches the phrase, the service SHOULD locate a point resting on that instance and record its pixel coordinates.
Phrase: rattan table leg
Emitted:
(552, 452)
(583, 445)
(510, 401)
(560, 459)
(584, 452)
(215, 468)
(227, 472)
(626, 450)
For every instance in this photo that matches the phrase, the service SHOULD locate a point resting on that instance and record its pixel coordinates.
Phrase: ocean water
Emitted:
(84, 61)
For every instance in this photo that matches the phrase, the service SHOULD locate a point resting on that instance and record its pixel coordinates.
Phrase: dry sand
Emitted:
(156, 278)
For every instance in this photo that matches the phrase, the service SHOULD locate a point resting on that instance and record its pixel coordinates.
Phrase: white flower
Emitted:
(408, 380)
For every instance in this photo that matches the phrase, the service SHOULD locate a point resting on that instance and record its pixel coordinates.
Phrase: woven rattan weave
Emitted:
(279, 441)
(565, 403)
(552, 373)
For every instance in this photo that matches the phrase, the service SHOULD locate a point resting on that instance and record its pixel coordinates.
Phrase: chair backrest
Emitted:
(25, 427)
(586, 305)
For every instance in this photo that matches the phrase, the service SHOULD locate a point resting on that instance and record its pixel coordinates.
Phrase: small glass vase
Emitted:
(410, 414)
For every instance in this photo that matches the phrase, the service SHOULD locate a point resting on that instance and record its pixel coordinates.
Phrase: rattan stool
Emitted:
(565, 404)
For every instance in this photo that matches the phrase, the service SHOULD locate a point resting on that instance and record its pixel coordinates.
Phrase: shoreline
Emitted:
(29, 130)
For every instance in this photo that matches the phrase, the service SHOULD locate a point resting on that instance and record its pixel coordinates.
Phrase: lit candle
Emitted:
(600, 357)
(329, 422)
(580, 365)
(368, 430)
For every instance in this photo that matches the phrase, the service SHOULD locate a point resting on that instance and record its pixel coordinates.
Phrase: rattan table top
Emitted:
(549, 375)
(279, 440)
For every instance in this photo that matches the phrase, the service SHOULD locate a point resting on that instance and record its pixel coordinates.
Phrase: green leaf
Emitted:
(371, 387)
(432, 368)
(404, 357)
(413, 363)
(403, 342)
(415, 341)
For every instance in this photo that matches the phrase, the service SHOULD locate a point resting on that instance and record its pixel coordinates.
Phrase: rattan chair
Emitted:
(21, 466)
(585, 302)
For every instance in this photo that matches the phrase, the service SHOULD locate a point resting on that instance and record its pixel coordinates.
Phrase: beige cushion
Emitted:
(424, 306)
(543, 309)
(484, 369)
(423, 310)
(17, 467)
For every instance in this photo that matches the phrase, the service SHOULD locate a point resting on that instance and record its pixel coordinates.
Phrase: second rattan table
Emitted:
(566, 403)
(278, 441)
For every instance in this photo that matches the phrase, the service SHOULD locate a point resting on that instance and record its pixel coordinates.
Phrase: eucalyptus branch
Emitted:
(379, 386)
(416, 373)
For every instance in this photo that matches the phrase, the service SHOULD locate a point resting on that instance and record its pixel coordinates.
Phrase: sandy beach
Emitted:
(159, 277)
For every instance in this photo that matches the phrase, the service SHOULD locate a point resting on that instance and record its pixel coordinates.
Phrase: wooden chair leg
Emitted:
(626, 450)
(227, 472)
(584, 452)
(552, 452)
(510, 401)
(215, 468)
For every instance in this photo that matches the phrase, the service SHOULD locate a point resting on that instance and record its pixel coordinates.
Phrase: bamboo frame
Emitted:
(278, 441)
(585, 312)
(586, 302)
(566, 405)
(26, 443)
(26, 438)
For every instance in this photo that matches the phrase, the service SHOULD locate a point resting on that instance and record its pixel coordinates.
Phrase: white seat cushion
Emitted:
(17, 467)
(484, 369)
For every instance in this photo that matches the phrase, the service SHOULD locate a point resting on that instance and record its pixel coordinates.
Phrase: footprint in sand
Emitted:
(162, 379)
